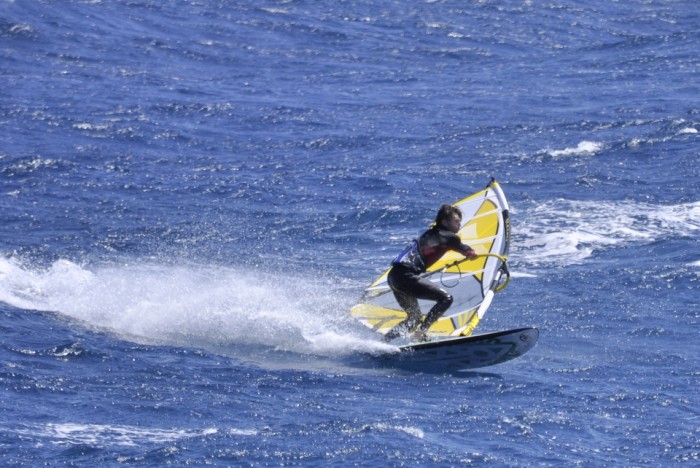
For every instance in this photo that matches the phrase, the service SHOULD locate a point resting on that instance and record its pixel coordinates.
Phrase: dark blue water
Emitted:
(193, 194)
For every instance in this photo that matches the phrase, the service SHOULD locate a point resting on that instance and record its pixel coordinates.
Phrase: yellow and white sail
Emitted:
(472, 283)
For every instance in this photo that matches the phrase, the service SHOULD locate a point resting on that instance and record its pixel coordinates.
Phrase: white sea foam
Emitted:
(89, 126)
(583, 148)
(522, 274)
(21, 28)
(386, 427)
(563, 232)
(115, 435)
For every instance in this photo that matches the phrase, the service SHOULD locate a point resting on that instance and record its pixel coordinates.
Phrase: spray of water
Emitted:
(195, 305)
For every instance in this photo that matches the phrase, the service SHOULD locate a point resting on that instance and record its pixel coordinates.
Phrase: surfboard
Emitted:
(469, 352)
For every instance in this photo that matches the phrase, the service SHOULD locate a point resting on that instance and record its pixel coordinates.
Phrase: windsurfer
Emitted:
(406, 269)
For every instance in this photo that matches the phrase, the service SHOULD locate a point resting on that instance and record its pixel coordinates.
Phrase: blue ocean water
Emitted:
(193, 195)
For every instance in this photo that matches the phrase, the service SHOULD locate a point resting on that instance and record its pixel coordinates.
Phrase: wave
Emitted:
(584, 148)
(565, 232)
(115, 435)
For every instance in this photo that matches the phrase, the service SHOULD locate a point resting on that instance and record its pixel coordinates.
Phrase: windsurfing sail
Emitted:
(472, 283)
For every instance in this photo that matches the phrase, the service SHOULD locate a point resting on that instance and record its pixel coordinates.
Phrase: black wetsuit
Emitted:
(408, 286)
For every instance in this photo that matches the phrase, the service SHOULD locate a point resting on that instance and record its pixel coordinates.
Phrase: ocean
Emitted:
(194, 194)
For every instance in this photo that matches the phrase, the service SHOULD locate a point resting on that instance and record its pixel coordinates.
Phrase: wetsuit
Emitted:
(408, 286)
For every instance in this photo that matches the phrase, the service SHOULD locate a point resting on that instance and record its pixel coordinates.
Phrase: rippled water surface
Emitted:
(193, 195)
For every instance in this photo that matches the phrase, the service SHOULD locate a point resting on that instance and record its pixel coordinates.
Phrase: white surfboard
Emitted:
(468, 352)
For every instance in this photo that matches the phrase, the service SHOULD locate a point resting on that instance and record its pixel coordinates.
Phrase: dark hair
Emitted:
(445, 212)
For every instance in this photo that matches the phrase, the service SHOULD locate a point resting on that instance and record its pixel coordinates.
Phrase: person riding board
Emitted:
(405, 278)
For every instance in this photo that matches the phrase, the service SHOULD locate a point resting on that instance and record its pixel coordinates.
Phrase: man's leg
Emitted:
(443, 301)
(410, 305)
